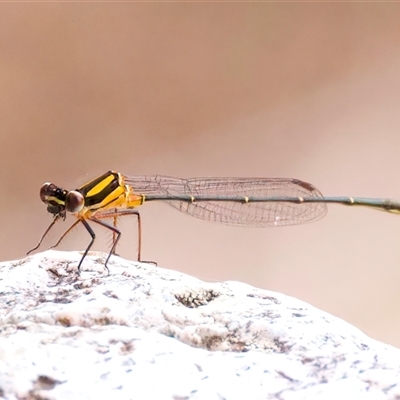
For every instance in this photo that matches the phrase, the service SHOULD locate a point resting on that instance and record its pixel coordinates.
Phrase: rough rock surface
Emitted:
(145, 332)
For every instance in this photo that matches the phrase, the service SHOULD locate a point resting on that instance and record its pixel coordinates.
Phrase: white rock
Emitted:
(144, 332)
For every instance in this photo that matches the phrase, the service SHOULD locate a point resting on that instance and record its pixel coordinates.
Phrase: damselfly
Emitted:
(252, 202)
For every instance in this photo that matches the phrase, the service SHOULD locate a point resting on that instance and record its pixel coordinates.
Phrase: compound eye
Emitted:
(45, 191)
(74, 201)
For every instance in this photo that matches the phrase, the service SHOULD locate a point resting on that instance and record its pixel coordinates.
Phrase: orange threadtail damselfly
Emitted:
(251, 202)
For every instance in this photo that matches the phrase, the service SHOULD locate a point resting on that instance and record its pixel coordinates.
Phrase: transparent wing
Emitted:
(255, 214)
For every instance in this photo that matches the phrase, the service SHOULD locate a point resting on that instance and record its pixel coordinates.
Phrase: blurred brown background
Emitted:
(310, 91)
